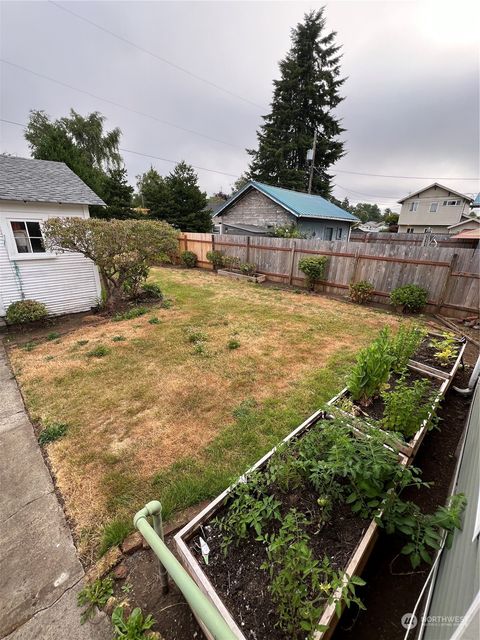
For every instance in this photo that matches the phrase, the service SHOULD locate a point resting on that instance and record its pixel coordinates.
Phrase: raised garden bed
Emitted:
(425, 359)
(235, 583)
(370, 415)
(256, 277)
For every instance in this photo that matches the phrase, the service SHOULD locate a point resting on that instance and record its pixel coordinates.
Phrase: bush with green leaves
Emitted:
(248, 268)
(150, 291)
(51, 432)
(407, 406)
(136, 626)
(189, 259)
(360, 292)
(314, 269)
(94, 595)
(231, 263)
(372, 370)
(217, 258)
(404, 344)
(411, 297)
(25, 311)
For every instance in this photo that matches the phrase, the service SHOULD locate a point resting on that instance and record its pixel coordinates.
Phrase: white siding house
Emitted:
(32, 191)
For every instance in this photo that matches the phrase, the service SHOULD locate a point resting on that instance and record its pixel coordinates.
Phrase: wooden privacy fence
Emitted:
(384, 237)
(451, 276)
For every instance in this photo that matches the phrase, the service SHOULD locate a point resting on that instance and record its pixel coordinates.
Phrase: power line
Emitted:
(117, 104)
(156, 56)
(370, 195)
(146, 155)
(383, 175)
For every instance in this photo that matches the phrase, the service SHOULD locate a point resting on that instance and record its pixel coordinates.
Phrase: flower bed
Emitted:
(439, 353)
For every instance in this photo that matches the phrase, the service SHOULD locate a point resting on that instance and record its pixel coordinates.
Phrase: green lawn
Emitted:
(171, 412)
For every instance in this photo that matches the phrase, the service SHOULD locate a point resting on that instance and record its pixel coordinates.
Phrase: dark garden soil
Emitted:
(175, 620)
(392, 587)
(243, 586)
(425, 354)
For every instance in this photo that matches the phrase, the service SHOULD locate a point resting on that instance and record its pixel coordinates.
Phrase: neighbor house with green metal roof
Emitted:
(257, 209)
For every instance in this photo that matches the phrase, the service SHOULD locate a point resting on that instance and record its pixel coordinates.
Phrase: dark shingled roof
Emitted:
(42, 181)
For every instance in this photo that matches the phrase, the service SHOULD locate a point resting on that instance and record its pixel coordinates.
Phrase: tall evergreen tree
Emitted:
(303, 102)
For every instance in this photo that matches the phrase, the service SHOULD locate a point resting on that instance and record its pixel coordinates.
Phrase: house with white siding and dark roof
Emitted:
(257, 208)
(32, 191)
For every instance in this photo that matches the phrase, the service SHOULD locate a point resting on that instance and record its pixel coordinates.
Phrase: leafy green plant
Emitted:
(195, 335)
(404, 344)
(130, 314)
(167, 304)
(446, 349)
(154, 320)
(189, 259)
(99, 351)
(231, 262)
(287, 231)
(217, 259)
(52, 432)
(118, 339)
(407, 406)
(411, 297)
(371, 370)
(30, 346)
(300, 585)
(82, 343)
(150, 291)
(424, 531)
(25, 311)
(53, 335)
(134, 627)
(94, 595)
(314, 269)
(233, 343)
(248, 268)
(360, 292)
(200, 349)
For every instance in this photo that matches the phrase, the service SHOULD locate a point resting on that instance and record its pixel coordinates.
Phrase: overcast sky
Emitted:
(411, 103)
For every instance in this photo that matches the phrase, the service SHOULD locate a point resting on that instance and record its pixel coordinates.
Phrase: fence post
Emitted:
(355, 265)
(446, 283)
(248, 249)
(292, 262)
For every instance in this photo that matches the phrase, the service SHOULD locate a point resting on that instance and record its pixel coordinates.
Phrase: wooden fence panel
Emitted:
(450, 274)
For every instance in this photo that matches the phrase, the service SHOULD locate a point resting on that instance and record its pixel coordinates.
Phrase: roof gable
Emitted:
(301, 205)
(430, 186)
(28, 180)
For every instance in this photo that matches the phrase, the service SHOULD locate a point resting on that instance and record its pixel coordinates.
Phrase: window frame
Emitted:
(413, 206)
(452, 203)
(430, 207)
(410, 230)
(13, 252)
(339, 233)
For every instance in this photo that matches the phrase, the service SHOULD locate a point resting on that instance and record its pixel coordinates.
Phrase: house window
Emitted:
(328, 235)
(28, 237)
(413, 206)
(433, 207)
(451, 203)
(409, 229)
(339, 233)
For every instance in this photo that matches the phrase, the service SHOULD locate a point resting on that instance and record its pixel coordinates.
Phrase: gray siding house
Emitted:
(257, 209)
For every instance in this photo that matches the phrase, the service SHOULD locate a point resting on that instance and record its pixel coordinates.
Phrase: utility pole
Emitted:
(312, 161)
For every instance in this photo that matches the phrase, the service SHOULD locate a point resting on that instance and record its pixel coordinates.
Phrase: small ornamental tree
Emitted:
(123, 250)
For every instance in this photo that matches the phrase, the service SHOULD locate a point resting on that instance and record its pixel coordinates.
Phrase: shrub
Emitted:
(216, 258)
(410, 297)
(404, 344)
(150, 291)
(25, 311)
(189, 259)
(52, 432)
(98, 352)
(371, 370)
(248, 268)
(406, 407)
(231, 262)
(360, 292)
(94, 595)
(314, 269)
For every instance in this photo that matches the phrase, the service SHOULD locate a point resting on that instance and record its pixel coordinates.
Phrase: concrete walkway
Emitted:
(40, 574)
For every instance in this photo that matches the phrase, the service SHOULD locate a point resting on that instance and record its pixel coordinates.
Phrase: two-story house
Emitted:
(437, 209)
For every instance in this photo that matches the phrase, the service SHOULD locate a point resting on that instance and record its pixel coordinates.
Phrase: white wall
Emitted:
(65, 283)
(422, 217)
